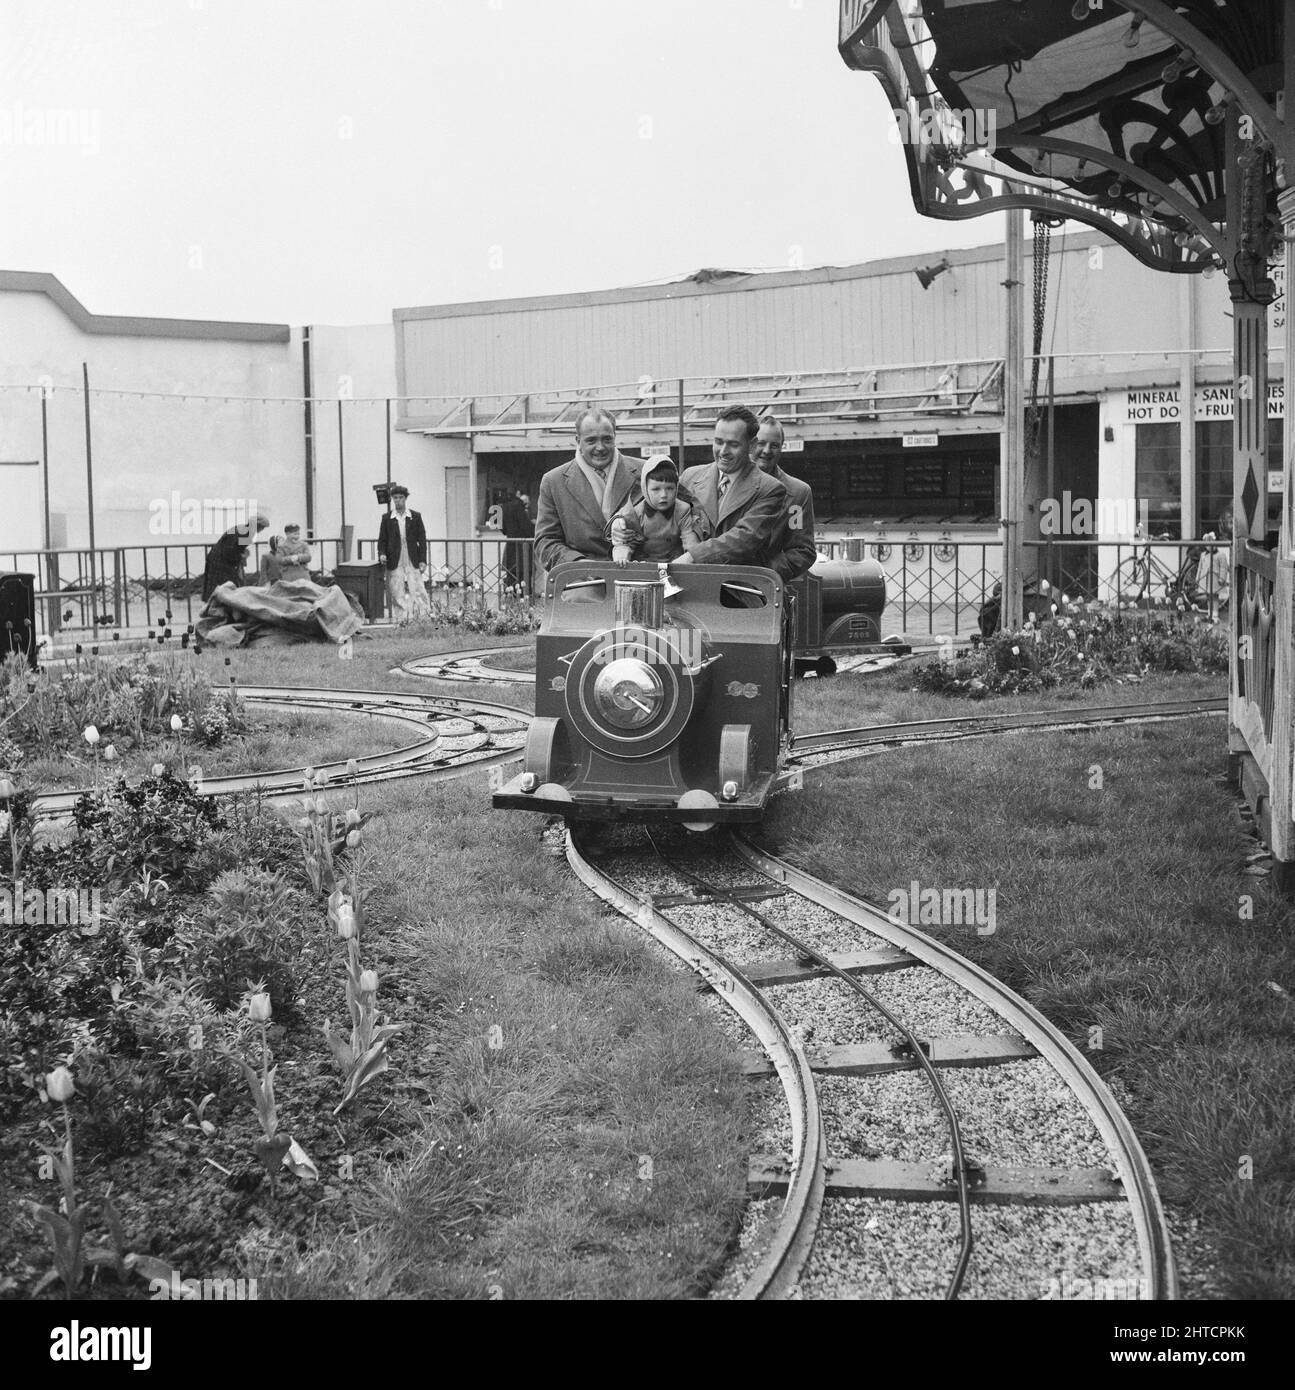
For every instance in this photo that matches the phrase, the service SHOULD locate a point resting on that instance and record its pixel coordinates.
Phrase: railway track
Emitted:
(449, 738)
(828, 1160)
(1009, 1131)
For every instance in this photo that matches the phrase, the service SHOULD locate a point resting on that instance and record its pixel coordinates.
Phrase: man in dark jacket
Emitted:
(402, 547)
(517, 525)
(794, 551)
(743, 507)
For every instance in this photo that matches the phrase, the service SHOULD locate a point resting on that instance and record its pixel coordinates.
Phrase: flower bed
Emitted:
(1080, 651)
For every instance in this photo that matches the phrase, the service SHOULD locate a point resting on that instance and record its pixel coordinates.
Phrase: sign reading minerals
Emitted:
(1158, 404)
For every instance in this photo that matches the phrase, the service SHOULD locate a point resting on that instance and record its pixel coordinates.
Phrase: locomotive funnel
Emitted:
(640, 605)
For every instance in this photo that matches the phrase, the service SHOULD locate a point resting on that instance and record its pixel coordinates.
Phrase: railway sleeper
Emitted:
(878, 1058)
(988, 1184)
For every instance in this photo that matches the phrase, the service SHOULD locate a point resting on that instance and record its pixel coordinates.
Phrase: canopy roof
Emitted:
(1118, 113)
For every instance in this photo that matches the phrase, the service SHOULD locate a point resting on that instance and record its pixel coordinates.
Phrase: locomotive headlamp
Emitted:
(628, 693)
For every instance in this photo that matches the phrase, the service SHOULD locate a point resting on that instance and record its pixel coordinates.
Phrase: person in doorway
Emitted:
(402, 547)
(517, 526)
(579, 498)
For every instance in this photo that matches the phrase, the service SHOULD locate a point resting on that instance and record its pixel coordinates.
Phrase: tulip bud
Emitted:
(368, 982)
(354, 839)
(176, 723)
(90, 734)
(352, 768)
(259, 1008)
(109, 753)
(58, 1084)
(346, 924)
(352, 816)
(7, 790)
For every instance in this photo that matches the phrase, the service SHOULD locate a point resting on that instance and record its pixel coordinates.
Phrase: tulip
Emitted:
(259, 1008)
(321, 807)
(7, 789)
(158, 769)
(309, 776)
(109, 753)
(346, 923)
(307, 805)
(58, 1085)
(368, 982)
(352, 768)
(176, 723)
(90, 734)
(352, 816)
(354, 839)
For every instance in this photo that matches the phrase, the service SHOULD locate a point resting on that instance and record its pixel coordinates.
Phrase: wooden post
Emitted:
(89, 487)
(683, 438)
(341, 466)
(1283, 806)
(1013, 441)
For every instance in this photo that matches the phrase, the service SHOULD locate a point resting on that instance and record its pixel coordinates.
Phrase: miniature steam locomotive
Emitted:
(658, 696)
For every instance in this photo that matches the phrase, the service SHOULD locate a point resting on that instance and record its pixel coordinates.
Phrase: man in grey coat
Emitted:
(743, 507)
(579, 498)
(795, 550)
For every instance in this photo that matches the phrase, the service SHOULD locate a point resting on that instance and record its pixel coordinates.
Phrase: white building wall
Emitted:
(152, 436)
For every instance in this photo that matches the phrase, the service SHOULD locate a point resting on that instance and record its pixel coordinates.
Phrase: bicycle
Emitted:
(1139, 577)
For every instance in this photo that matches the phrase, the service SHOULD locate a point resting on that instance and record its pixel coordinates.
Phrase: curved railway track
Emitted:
(661, 890)
(453, 737)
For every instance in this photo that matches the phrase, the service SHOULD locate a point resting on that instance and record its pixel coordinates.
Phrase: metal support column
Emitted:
(1013, 440)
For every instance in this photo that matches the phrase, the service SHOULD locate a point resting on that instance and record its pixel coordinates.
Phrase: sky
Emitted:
(326, 161)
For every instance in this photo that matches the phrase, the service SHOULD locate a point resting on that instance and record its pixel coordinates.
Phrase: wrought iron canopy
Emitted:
(1112, 112)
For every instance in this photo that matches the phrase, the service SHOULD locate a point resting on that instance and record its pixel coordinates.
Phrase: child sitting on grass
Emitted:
(661, 525)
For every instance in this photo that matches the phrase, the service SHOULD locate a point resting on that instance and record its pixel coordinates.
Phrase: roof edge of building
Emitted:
(736, 282)
(129, 326)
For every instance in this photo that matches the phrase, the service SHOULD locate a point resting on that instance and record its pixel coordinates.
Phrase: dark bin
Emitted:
(18, 616)
(365, 581)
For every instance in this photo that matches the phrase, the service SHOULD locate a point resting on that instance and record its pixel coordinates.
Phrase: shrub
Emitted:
(158, 825)
(249, 930)
(1082, 651)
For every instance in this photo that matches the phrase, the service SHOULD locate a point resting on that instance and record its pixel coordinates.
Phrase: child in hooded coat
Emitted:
(661, 525)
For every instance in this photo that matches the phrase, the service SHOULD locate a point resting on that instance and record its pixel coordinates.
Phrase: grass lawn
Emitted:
(580, 1129)
(273, 741)
(1126, 913)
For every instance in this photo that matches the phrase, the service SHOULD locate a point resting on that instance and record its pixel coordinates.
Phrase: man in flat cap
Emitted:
(402, 547)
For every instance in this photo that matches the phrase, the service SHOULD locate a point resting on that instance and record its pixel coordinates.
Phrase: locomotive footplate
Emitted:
(557, 801)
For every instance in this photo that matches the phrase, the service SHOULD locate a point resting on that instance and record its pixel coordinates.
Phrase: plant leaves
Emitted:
(341, 1049)
(271, 1152)
(299, 1161)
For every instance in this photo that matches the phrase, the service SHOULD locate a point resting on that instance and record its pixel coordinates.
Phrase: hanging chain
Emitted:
(1033, 412)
